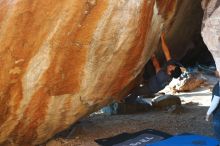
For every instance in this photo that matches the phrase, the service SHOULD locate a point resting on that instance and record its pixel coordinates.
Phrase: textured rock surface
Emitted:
(61, 60)
(166, 101)
(211, 28)
(189, 82)
(184, 27)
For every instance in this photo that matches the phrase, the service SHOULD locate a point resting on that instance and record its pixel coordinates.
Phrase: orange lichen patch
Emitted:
(4, 109)
(5, 86)
(67, 105)
(24, 33)
(88, 23)
(65, 73)
(23, 30)
(27, 29)
(125, 72)
(33, 117)
(15, 70)
(9, 120)
(16, 96)
(3, 8)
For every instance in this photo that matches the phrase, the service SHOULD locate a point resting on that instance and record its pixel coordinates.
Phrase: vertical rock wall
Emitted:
(211, 28)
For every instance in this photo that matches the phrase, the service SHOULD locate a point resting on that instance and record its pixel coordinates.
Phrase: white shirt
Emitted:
(214, 104)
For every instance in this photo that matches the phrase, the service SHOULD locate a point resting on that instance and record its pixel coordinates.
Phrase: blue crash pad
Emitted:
(187, 140)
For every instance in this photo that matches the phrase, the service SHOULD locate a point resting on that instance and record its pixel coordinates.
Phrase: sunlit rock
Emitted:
(211, 28)
(63, 59)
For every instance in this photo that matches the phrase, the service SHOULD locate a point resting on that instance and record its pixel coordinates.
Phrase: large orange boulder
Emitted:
(60, 60)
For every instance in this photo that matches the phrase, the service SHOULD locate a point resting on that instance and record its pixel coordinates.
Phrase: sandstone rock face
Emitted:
(211, 28)
(63, 59)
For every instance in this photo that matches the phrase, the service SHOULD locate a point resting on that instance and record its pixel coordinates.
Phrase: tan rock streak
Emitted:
(61, 60)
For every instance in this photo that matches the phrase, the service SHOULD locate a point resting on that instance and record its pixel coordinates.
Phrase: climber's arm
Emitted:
(155, 63)
(165, 47)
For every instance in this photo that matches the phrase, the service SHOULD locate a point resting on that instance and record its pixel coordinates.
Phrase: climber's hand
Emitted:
(208, 117)
(162, 35)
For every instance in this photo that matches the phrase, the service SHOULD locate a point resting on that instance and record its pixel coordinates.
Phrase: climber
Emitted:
(163, 77)
(214, 110)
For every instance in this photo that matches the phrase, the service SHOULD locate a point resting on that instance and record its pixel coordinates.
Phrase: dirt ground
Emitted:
(190, 120)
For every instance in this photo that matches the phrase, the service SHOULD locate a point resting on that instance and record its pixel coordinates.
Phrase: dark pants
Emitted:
(136, 93)
(216, 125)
